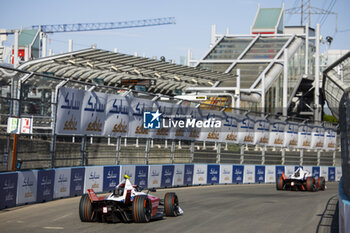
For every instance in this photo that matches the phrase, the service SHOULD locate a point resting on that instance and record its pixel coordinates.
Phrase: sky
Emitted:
(191, 31)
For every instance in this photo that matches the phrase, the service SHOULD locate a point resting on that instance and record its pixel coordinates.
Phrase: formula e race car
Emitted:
(126, 204)
(300, 180)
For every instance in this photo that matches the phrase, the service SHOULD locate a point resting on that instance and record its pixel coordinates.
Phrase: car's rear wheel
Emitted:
(310, 184)
(86, 210)
(322, 183)
(142, 209)
(279, 183)
(171, 205)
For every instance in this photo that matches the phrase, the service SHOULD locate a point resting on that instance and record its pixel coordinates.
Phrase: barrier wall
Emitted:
(22, 187)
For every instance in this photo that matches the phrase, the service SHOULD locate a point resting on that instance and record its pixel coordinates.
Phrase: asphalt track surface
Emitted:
(221, 208)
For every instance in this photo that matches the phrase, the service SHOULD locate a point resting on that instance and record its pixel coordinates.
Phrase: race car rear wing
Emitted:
(93, 197)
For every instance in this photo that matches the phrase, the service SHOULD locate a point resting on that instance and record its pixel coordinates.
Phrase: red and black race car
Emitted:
(127, 204)
(300, 180)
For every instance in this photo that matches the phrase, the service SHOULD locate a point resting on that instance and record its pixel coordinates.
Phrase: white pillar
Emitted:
(263, 94)
(44, 44)
(213, 35)
(26, 53)
(50, 52)
(307, 49)
(238, 90)
(70, 45)
(285, 83)
(15, 50)
(317, 116)
(189, 57)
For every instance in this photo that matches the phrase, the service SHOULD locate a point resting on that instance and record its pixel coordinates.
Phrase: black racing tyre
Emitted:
(310, 184)
(171, 205)
(141, 209)
(321, 183)
(279, 183)
(86, 210)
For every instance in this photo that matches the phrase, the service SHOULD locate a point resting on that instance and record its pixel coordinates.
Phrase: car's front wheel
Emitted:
(142, 209)
(171, 205)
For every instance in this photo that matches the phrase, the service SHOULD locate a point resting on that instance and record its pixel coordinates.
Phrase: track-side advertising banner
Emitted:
(225, 174)
(324, 172)
(128, 170)
(276, 136)
(110, 178)
(279, 170)
(237, 174)
(93, 178)
(77, 181)
(179, 171)
(213, 176)
(331, 173)
(289, 170)
(45, 185)
(166, 119)
(304, 136)
(212, 125)
(188, 175)
(291, 135)
(262, 130)
(270, 174)
(154, 176)
(338, 173)
(8, 189)
(246, 131)
(69, 111)
(316, 171)
(200, 174)
(140, 109)
(141, 176)
(317, 138)
(62, 182)
(330, 139)
(259, 174)
(117, 115)
(229, 131)
(27, 187)
(249, 174)
(167, 175)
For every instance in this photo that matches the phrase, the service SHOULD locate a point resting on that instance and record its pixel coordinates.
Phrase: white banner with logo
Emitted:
(324, 172)
(308, 168)
(226, 174)
(317, 138)
(249, 174)
(166, 120)
(93, 113)
(212, 125)
(128, 170)
(304, 136)
(262, 130)
(62, 182)
(200, 174)
(330, 139)
(69, 109)
(93, 179)
(276, 136)
(291, 135)
(270, 174)
(338, 173)
(179, 171)
(229, 131)
(154, 176)
(136, 128)
(289, 170)
(246, 131)
(27, 187)
(117, 115)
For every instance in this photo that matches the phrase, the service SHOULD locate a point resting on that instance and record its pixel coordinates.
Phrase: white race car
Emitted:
(301, 180)
(127, 203)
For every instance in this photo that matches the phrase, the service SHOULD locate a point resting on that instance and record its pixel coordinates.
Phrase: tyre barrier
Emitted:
(23, 187)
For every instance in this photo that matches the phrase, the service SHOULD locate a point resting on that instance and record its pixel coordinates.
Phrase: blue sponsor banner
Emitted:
(141, 176)
(213, 176)
(167, 176)
(46, 179)
(331, 173)
(188, 175)
(8, 189)
(77, 181)
(279, 170)
(259, 174)
(110, 177)
(237, 174)
(316, 171)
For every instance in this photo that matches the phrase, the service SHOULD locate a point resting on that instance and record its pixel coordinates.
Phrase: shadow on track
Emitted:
(329, 222)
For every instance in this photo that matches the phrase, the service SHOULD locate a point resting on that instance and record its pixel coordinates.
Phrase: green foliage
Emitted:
(330, 118)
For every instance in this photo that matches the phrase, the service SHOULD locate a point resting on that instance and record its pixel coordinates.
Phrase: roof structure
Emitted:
(111, 68)
(268, 21)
